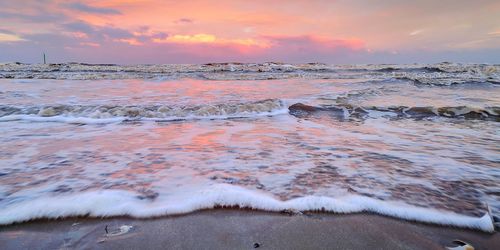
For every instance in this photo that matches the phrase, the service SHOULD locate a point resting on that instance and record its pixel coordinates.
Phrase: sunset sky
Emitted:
(334, 31)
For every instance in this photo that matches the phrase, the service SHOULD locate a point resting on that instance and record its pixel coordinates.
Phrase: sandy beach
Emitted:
(239, 229)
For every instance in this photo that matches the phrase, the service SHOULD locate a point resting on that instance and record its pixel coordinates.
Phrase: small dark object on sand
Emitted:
(106, 229)
(256, 245)
(462, 245)
(291, 212)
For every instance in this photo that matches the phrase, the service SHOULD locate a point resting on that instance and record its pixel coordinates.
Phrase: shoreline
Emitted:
(226, 228)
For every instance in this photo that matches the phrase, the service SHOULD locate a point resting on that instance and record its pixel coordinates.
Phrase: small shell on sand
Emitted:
(120, 231)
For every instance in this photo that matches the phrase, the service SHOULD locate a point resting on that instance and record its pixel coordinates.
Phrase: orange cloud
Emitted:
(9, 38)
(130, 41)
(203, 31)
(198, 38)
(212, 39)
(90, 44)
(315, 42)
(79, 34)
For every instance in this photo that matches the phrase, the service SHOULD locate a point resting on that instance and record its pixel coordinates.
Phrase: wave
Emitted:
(439, 80)
(250, 67)
(433, 74)
(88, 114)
(347, 110)
(101, 114)
(108, 203)
(426, 69)
(444, 67)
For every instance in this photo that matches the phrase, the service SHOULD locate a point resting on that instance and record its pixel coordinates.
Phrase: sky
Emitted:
(294, 31)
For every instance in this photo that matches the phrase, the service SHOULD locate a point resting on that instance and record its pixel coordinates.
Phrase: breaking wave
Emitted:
(115, 113)
(97, 114)
(123, 203)
(432, 74)
(347, 110)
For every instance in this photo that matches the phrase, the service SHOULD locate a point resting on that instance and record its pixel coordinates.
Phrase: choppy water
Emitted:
(410, 141)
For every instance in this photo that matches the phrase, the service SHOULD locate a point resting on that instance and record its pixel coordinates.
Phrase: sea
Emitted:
(419, 142)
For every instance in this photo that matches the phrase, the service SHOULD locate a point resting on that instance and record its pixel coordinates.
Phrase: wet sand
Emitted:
(240, 229)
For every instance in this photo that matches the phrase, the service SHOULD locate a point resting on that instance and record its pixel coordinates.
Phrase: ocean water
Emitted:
(417, 142)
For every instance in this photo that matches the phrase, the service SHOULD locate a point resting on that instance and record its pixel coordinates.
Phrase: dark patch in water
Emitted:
(425, 69)
(491, 113)
(301, 110)
(94, 64)
(148, 195)
(62, 189)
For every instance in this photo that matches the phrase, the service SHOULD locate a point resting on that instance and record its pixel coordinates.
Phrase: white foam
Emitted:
(119, 203)
(434, 74)
(283, 110)
(89, 120)
(60, 118)
(112, 114)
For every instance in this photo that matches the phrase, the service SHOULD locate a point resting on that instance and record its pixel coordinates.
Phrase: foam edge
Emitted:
(109, 203)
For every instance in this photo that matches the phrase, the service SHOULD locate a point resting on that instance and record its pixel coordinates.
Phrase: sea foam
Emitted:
(113, 114)
(108, 203)
(427, 74)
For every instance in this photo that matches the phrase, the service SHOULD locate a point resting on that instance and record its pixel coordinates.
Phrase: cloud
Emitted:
(155, 31)
(97, 32)
(37, 16)
(5, 31)
(30, 11)
(202, 48)
(114, 32)
(91, 44)
(416, 32)
(293, 49)
(159, 35)
(488, 42)
(82, 41)
(130, 41)
(494, 33)
(314, 42)
(49, 40)
(4, 37)
(79, 26)
(310, 48)
(91, 9)
(90, 34)
(198, 38)
(183, 20)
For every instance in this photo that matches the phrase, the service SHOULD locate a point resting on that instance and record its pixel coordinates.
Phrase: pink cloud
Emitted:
(311, 42)
(304, 48)
(136, 47)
